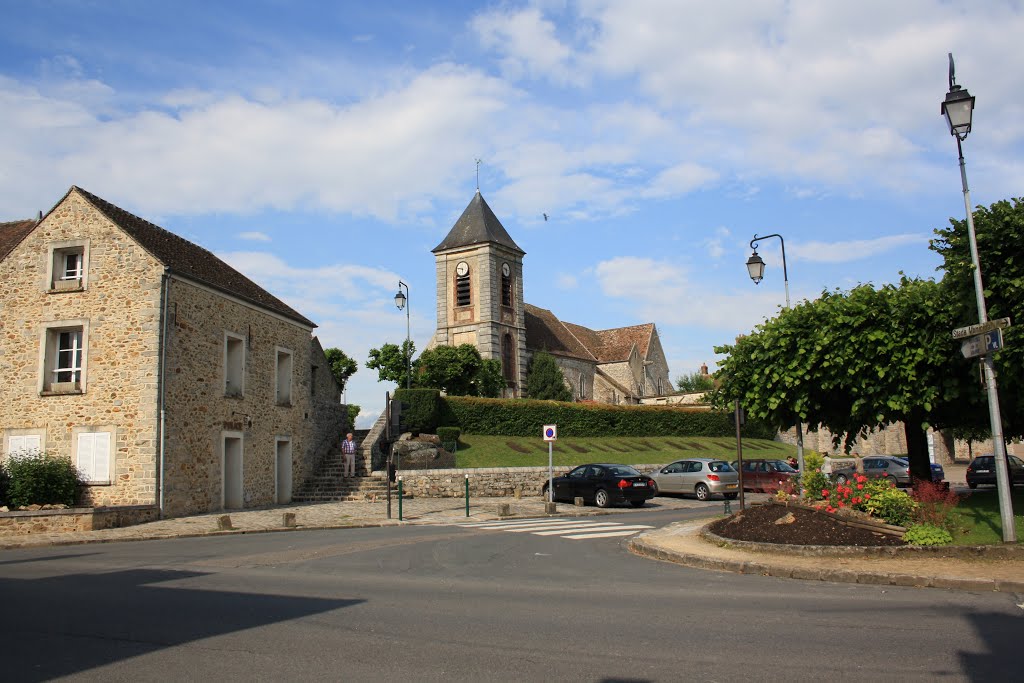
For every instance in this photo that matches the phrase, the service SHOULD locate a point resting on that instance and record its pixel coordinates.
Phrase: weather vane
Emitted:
(952, 71)
(477, 175)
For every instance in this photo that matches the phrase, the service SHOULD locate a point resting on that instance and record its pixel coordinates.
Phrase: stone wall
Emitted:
(484, 482)
(118, 304)
(201, 413)
(20, 523)
(571, 370)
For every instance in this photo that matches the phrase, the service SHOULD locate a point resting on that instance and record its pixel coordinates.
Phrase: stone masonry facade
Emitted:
(144, 333)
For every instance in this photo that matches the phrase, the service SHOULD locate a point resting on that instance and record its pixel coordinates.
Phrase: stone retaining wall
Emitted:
(23, 522)
(484, 482)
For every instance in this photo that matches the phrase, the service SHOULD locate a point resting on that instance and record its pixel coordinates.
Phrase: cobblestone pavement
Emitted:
(342, 515)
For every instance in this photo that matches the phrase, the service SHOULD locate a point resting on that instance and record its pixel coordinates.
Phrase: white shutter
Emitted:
(28, 442)
(94, 455)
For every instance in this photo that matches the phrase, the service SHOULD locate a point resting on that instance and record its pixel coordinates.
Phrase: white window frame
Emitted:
(234, 375)
(49, 347)
(97, 468)
(283, 395)
(15, 440)
(57, 277)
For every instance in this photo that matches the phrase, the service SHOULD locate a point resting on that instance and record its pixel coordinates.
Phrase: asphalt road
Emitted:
(432, 603)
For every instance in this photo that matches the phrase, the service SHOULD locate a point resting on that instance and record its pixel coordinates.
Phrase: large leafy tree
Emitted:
(695, 381)
(342, 367)
(854, 361)
(1000, 233)
(544, 380)
(390, 362)
(459, 371)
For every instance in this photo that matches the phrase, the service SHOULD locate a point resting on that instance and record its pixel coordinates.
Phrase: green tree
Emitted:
(342, 367)
(545, 381)
(353, 413)
(852, 362)
(695, 381)
(460, 371)
(999, 230)
(390, 362)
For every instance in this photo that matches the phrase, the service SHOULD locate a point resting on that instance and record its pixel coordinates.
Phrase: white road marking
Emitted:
(594, 527)
(607, 534)
(576, 529)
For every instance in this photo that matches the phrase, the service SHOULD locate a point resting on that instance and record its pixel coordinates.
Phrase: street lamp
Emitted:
(401, 300)
(958, 108)
(755, 267)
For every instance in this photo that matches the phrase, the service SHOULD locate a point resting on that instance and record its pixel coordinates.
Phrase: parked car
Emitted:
(982, 471)
(699, 476)
(888, 467)
(604, 484)
(765, 475)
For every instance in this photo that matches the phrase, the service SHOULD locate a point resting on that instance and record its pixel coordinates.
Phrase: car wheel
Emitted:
(971, 485)
(602, 499)
(637, 503)
(702, 491)
(731, 496)
(891, 479)
(841, 479)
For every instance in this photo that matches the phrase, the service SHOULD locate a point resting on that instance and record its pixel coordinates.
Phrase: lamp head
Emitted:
(755, 267)
(958, 107)
(400, 300)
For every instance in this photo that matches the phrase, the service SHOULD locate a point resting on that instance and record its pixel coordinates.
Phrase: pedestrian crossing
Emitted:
(573, 529)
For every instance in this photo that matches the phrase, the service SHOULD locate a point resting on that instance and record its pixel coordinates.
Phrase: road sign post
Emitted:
(551, 435)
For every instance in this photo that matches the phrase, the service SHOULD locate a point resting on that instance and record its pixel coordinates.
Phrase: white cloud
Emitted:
(254, 236)
(566, 281)
(853, 250)
(527, 42)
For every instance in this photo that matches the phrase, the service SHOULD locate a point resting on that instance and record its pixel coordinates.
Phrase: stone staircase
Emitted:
(328, 484)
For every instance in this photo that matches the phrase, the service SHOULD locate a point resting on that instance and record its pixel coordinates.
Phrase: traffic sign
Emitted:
(981, 344)
(972, 330)
(550, 432)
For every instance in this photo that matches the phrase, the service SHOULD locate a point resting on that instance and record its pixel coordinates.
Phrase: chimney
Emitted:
(704, 369)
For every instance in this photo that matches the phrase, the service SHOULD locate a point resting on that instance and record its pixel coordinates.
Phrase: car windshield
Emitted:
(780, 466)
(719, 467)
(902, 461)
(622, 471)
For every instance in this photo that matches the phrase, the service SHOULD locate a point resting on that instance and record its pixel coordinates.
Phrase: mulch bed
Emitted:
(757, 524)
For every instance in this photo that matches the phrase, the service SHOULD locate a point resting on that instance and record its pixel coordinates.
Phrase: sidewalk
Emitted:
(681, 543)
(337, 515)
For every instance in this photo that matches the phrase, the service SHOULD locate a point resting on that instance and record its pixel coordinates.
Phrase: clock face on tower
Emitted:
(462, 269)
(505, 270)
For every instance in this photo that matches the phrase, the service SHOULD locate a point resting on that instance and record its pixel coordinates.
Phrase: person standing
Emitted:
(348, 455)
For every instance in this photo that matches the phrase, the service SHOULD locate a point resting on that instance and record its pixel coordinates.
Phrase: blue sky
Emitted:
(325, 148)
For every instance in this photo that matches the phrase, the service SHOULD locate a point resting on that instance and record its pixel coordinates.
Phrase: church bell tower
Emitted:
(480, 292)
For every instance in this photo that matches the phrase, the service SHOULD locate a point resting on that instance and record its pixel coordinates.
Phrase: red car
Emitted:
(765, 475)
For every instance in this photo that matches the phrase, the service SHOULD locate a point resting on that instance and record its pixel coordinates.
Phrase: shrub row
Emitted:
(419, 409)
(523, 417)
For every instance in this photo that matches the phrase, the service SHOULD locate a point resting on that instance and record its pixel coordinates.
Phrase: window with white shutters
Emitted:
(23, 443)
(93, 458)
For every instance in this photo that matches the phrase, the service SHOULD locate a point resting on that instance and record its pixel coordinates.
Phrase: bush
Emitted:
(936, 504)
(525, 417)
(419, 410)
(813, 461)
(927, 534)
(449, 434)
(813, 483)
(892, 505)
(41, 479)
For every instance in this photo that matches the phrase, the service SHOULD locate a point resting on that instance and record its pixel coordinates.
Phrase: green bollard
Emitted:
(399, 499)
(467, 495)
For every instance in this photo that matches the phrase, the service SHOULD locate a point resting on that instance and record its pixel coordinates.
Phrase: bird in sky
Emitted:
(545, 216)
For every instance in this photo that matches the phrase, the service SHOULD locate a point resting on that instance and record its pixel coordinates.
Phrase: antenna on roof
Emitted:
(478, 175)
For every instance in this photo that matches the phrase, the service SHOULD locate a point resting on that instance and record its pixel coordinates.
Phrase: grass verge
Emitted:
(505, 451)
(980, 520)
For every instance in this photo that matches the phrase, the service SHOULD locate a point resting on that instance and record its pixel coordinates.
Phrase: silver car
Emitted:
(699, 476)
(896, 470)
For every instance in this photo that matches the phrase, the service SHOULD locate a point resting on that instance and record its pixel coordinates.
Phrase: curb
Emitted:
(639, 546)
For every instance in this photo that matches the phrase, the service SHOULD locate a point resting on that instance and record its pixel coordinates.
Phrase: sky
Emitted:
(324, 148)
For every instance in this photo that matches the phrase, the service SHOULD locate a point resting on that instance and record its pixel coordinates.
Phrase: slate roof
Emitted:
(477, 225)
(190, 260)
(545, 332)
(12, 233)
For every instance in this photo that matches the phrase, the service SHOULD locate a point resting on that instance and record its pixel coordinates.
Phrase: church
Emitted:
(479, 277)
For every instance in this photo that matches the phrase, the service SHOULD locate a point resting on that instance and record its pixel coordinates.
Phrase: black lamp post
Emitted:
(755, 267)
(401, 300)
(958, 107)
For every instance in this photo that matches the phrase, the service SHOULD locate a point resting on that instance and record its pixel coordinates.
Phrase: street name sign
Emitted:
(980, 328)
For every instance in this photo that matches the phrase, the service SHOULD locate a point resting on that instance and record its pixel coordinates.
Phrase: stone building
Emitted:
(479, 278)
(168, 377)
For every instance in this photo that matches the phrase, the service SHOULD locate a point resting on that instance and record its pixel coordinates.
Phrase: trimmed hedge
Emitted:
(524, 417)
(419, 410)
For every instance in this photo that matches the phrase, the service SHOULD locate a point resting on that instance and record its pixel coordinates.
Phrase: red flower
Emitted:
(830, 509)
(841, 504)
(824, 493)
(860, 486)
(867, 496)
